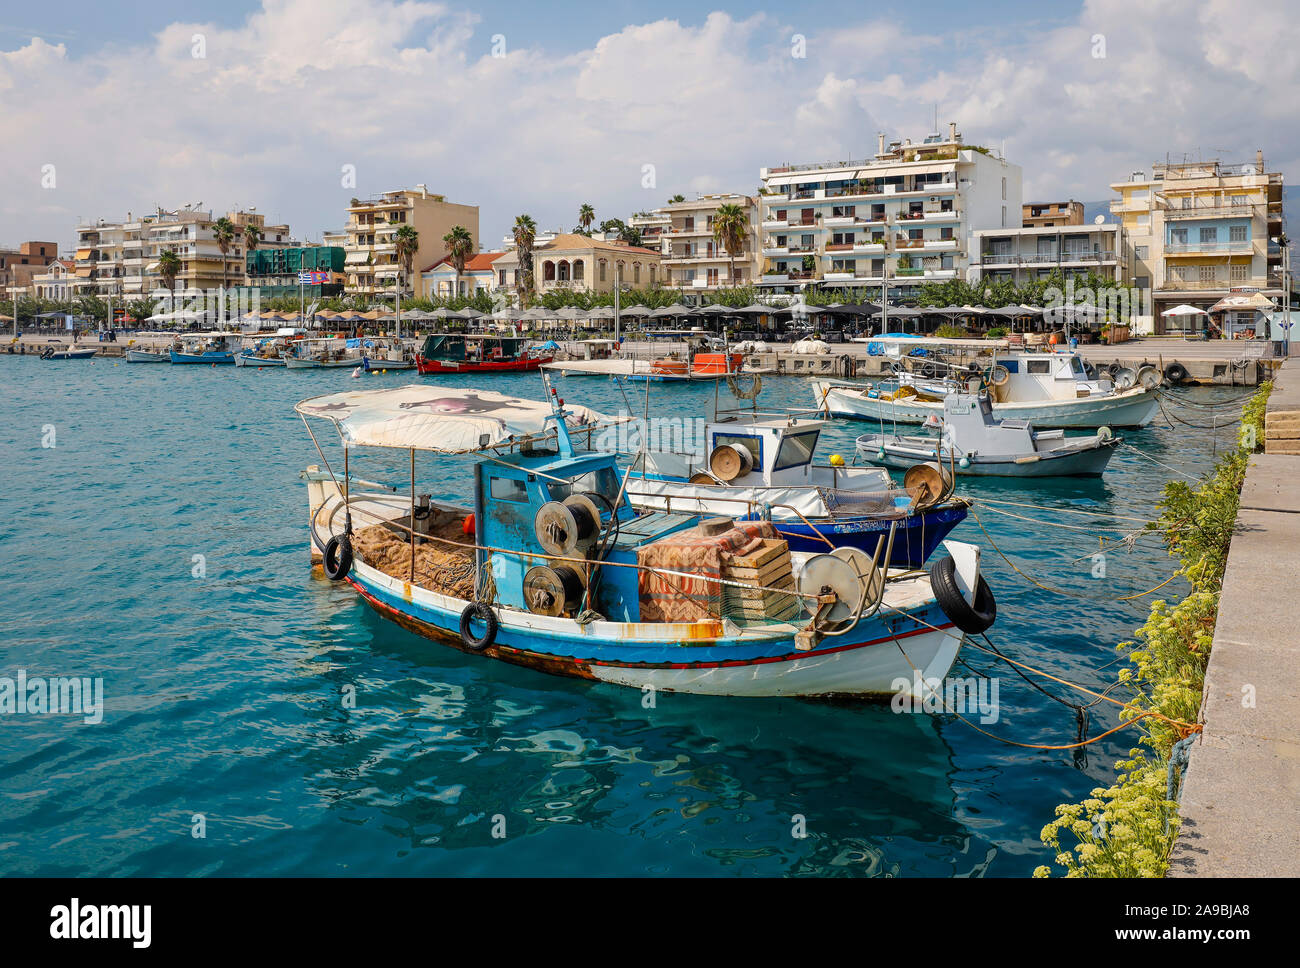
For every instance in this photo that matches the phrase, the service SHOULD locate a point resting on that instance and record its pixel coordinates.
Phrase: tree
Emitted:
(730, 229)
(406, 242)
(586, 215)
(676, 198)
(169, 267)
(252, 238)
(460, 245)
(525, 233)
(223, 232)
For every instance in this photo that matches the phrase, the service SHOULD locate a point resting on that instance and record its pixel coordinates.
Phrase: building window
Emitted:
(1236, 233)
(1239, 201)
(636, 273)
(1209, 233)
(601, 274)
(1207, 273)
(1140, 251)
(1239, 272)
(1144, 220)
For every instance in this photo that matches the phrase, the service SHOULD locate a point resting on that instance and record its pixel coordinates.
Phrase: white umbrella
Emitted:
(1184, 310)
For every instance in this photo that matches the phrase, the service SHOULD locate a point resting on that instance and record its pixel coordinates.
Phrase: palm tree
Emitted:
(730, 229)
(676, 198)
(406, 242)
(169, 267)
(586, 215)
(252, 238)
(525, 232)
(223, 232)
(460, 245)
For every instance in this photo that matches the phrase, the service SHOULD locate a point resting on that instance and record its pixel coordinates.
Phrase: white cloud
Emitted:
(409, 92)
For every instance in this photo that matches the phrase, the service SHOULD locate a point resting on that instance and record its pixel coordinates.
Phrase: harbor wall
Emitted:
(1241, 790)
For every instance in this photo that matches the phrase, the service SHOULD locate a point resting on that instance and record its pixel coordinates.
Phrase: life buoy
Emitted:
(338, 557)
(1176, 373)
(482, 611)
(999, 375)
(969, 618)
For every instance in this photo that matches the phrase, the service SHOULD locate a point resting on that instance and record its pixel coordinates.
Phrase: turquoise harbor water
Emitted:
(224, 692)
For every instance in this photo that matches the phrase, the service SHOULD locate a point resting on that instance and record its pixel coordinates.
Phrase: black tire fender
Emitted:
(338, 557)
(482, 611)
(1176, 373)
(972, 619)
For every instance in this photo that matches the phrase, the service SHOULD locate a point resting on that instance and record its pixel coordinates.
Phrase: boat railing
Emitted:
(750, 503)
(589, 565)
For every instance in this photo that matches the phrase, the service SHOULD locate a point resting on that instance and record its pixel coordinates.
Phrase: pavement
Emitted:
(1240, 802)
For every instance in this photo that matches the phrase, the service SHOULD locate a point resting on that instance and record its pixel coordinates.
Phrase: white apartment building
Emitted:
(907, 215)
(120, 257)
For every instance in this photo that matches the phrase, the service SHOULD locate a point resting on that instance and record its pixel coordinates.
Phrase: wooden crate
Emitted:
(762, 566)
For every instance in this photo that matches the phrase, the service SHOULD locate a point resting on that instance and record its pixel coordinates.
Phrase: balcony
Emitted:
(775, 223)
(868, 248)
(1198, 248)
(940, 245)
(1212, 211)
(941, 273)
(775, 250)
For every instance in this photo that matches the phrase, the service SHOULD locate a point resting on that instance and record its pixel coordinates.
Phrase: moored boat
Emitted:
(147, 356)
(476, 353)
(550, 567)
(1049, 389)
(51, 353)
(974, 442)
(215, 349)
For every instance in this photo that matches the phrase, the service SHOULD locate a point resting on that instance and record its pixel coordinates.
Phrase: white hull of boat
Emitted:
(902, 453)
(1129, 408)
(296, 364)
(145, 356)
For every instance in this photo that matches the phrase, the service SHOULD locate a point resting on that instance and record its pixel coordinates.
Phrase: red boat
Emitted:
(472, 353)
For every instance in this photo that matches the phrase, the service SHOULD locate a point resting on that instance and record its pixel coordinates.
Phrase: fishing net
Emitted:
(439, 567)
(845, 503)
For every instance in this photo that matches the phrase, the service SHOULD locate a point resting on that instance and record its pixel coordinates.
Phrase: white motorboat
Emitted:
(148, 356)
(326, 353)
(975, 442)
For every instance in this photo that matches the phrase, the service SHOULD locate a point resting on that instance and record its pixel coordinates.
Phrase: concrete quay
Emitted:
(1240, 801)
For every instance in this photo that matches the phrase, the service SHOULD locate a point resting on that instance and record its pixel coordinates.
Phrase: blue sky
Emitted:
(110, 110)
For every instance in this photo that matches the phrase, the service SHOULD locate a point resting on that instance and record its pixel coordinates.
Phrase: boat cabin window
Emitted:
(1076, 366)
(752, 444)
(1038, 366)
(796, 450)
(603, 481)
(508, 489)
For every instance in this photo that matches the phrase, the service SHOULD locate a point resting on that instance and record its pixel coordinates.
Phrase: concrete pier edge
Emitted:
(1240, 801)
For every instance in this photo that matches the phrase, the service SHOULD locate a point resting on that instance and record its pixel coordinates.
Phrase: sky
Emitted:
(293, 107)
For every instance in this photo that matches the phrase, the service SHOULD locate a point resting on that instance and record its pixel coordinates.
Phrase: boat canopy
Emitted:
(438, 419)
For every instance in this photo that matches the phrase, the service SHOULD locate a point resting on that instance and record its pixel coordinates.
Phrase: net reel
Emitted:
(553, 591)
(566, 527)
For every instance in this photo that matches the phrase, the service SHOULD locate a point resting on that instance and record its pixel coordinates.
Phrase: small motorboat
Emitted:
(148, 356)
(547, 565)
(54, 353)
(973, 441)
(326, 353)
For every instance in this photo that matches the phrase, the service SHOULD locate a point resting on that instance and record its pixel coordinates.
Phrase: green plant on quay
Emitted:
(1129, 828)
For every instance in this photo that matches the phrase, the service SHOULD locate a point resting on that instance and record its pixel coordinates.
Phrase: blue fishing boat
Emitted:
(551, 567)
(216, 349)
(758, 465)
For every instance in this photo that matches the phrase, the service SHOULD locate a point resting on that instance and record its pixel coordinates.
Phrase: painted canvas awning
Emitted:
(448, 421)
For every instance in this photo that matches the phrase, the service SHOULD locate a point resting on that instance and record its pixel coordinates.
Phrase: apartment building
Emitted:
(1035, 252)
(19, 266)
(906, 214)
(1200, 231)
(120, 257)
(1052, 214)
(570, 261)
(371, 261)
(693, 260)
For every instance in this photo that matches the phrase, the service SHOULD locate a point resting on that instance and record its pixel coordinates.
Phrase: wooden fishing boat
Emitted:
(476, 353)
(148, 356)
(1048, 389)
(549, 566)
(213, 349)
(324, 353)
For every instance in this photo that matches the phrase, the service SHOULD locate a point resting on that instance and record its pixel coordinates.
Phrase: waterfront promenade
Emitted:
(1240, 794)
